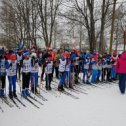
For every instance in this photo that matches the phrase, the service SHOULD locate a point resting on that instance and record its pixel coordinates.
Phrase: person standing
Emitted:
(19, 58)
(12, 75)
(62, 69)
(3, 63)
(121, 70)
(34, 72)
(48, 72)
(26, 73)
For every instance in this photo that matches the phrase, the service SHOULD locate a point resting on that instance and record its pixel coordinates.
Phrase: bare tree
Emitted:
(48, 10)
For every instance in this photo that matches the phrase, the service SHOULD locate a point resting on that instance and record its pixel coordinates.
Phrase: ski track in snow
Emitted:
(101, 107)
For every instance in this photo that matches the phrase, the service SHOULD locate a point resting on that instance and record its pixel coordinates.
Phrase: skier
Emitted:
(99, 69)
(34, 72)
(94, 70)
(77, 70)
(62, 68)
(86, 66)
(3, 63)
(56, 63)
(109, 67)
(67, 73)
(26, 73)
(113, 70)
(12, 75)
(104, 68)
(19, 58)
(48, 72)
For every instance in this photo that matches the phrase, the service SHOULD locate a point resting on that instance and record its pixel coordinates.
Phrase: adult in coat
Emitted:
(121, 70)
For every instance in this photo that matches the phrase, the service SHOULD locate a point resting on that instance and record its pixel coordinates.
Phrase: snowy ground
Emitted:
(101, 107)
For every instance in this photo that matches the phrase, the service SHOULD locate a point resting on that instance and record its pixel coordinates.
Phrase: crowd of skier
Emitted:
(67, 65)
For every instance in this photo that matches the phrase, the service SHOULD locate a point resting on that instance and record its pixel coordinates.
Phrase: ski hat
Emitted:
(62, 57)
(32, 50)
(88, 55)
(34, 55)
(20, 51)
(13, 57)
(50, 58)
(114, 53)
(11, 51)
(26, 54)
(54, 50)
(95, 57)
(108, 57)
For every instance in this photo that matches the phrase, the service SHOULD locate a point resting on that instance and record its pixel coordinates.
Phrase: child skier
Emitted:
(19, 58)
(62, 68)
(94, 71)
(104, 68)
(11, 72)
(86, 66)
(99, 69)
(48, 72)
(67, 73)
(26, 73)
(3, 63)
(114, 61)
(109, 67)
(34, 73)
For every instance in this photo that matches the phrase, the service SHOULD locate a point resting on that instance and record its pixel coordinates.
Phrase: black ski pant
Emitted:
(19, 71)
(122, 83)
(104, 72)
(108, 74)
(25, 80)
(43, 71)
(48, 80)
(3, 81)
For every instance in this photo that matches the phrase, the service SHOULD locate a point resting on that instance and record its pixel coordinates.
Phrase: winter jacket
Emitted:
(121, 64)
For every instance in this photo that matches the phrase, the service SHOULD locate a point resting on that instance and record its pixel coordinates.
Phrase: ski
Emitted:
(93, 85)
(69, 94)
(54, 93)
(1, 109)
(42, 97)
(15, 103)
(80, 91)
(78, 87)
(31, 102)
(43, 90)
(20, 101)
(7, 102)
(72, 90)
(33, 98)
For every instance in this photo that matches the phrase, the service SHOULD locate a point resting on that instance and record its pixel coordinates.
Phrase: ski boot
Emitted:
(50, 87)
(87, 82)
(10, 94)
(32, 89)
(23, 93)
(27, 92)
(47, 87)
(14, 94)
(59, 88)
(2, 94)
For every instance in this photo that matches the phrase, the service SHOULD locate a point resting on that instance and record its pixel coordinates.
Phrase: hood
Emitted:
(123, 56)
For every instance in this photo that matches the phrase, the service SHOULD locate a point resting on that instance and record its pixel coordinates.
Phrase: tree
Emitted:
(48, 10)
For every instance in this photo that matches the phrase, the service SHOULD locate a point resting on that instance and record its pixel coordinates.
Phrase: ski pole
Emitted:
(34, 82)
(5, 87)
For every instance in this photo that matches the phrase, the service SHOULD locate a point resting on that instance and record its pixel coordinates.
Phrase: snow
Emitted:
(103, 106)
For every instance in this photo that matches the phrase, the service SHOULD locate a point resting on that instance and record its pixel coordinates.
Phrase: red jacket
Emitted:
(121, 64)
